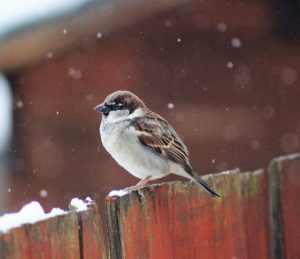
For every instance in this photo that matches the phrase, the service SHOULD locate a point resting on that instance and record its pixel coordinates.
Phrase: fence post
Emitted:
(257, 216)
(93, 243)
(284, 194)
(55, 237)
(76, 234)
(179, 220)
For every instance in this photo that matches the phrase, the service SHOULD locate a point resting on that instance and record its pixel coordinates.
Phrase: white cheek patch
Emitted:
(116, 116)
(137, 113)
(120, 115)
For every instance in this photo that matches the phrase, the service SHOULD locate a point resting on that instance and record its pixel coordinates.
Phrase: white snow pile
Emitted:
(29, 214)
(80, 205)
(119, 193)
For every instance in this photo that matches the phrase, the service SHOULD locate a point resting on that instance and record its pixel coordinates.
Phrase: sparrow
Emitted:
(143, 142)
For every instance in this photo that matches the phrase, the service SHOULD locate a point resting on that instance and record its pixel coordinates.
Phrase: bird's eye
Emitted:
(115, 106)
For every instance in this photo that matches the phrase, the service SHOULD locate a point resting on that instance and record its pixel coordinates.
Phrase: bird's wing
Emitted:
(155, 133)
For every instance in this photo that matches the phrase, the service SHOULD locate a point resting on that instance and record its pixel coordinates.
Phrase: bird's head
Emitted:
(120, 104)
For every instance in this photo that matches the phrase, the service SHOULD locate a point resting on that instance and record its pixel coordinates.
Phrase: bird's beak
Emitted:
(102, 108)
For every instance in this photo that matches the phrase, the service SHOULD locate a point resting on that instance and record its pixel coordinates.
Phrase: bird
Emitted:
(143, 142)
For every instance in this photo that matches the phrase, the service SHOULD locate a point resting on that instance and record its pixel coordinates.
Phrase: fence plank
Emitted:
(284, 193)
(179, 220)
(55, 237)
(255, 214)
(92, 241)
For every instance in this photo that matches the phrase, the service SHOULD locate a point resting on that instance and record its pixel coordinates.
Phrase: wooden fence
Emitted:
(257, 216)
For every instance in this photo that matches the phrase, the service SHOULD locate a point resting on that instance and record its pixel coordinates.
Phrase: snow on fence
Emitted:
(257, 216)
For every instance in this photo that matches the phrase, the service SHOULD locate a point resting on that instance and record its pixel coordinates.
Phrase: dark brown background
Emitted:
(228, 117)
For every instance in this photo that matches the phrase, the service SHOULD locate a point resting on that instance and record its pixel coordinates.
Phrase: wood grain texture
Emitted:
(55, 237)
(92, 240)
(284, 193)
(179, 220)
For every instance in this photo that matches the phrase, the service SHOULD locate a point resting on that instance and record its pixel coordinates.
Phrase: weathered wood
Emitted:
(179, 220)
(55, 237)
(284, 195)
(92, 241)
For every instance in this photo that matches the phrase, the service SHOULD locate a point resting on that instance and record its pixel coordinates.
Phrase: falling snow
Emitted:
(74, 73)
(236, 42)
(89, 97)
(229, 65)
(19, 104)
(43, 193)
(221, 27)
(289, 75)
(99, 35)
(168, 23)
(170, 106)
(49, 55)
(255, 144)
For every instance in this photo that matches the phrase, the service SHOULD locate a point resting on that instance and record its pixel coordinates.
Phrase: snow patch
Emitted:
(119, 193)
(80, 205)
(29, 214)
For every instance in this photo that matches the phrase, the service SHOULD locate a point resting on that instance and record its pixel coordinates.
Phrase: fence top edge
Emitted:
(33, 214)
(115, 196)
(281, 159)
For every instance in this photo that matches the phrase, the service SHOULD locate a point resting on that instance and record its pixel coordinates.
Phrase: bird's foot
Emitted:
(137, 189)
(133, 188)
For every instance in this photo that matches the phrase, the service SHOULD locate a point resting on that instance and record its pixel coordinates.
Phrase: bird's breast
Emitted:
(111, 136)
(130, 154)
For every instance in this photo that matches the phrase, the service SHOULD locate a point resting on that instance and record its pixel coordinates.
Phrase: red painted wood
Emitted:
(256, 215)
(56, 237)
(181, 221)
(289, 180)
(93, 242)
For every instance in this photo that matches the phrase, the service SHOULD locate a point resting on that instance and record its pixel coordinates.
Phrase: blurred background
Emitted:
(225, 74)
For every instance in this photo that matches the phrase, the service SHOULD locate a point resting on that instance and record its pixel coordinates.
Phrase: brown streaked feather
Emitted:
(155, 132)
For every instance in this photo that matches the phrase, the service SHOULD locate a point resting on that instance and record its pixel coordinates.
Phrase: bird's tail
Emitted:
(200, 182)
(191, 174)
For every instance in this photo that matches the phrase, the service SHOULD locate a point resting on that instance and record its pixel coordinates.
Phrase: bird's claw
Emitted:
(137, 189)
(141, 196)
